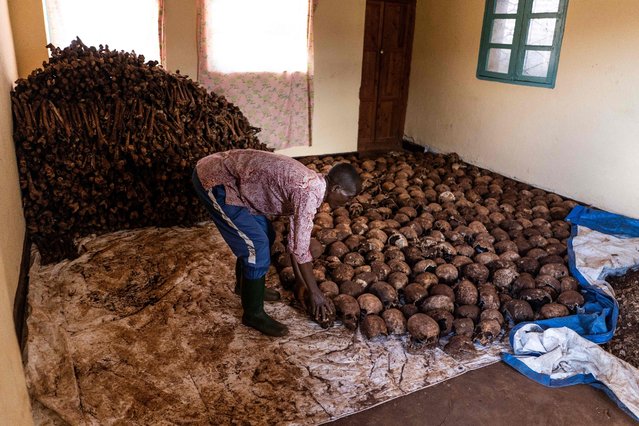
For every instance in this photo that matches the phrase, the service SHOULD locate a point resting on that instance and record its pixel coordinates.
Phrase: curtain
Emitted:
(259, 55)
(122, 24)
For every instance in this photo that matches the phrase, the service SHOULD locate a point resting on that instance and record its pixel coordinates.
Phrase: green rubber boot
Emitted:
(253, 305)
(270, 295)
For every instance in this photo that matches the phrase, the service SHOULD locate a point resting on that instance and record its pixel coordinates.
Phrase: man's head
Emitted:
(342, 184)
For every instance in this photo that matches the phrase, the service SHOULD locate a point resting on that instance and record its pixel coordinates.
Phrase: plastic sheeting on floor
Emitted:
(563, 351)
(144, 328)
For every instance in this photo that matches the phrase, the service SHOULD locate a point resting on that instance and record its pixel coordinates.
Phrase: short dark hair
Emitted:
(345, 175)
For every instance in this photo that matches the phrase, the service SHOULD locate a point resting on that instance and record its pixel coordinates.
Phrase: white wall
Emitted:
(14, 401)
(29, 34)
(339, 46)
(180, 26)
(580, 139)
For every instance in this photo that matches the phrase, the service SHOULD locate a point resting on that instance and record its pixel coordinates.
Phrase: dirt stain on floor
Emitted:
(144, 328)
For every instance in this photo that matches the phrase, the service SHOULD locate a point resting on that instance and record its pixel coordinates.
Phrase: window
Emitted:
(122, 24)
(273, 36)
(258, 54)
(521, 40)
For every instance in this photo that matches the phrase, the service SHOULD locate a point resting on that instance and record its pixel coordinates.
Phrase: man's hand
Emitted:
(320, 308)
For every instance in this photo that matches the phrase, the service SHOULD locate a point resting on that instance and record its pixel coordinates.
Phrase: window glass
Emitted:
(545, 6)
(122, 24)
(498, 60)
(503, 31)
(239, 39)
(536, 63)
(541, 32)
(506, 6)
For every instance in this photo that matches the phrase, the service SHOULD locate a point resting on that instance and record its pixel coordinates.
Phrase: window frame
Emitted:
(518, 47)
(55, 19)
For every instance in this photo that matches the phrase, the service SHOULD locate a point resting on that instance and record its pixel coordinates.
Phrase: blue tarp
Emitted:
(597, 320)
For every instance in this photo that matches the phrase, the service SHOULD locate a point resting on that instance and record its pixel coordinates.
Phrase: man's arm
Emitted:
(301, 225)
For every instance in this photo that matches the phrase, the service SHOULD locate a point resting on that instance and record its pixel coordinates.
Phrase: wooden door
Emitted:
(388, 39)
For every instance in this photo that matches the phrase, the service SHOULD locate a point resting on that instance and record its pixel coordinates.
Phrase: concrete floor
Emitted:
(494, 395)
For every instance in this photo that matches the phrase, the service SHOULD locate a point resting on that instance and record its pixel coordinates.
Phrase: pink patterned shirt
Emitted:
(268, 184)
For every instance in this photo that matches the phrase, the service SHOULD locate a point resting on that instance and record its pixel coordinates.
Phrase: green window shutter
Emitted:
(521, 41)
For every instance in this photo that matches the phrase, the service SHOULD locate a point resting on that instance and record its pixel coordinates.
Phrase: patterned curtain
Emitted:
(122, 24)
(259, 55)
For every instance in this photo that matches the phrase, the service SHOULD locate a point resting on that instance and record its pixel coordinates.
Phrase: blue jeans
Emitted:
(249, 236)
